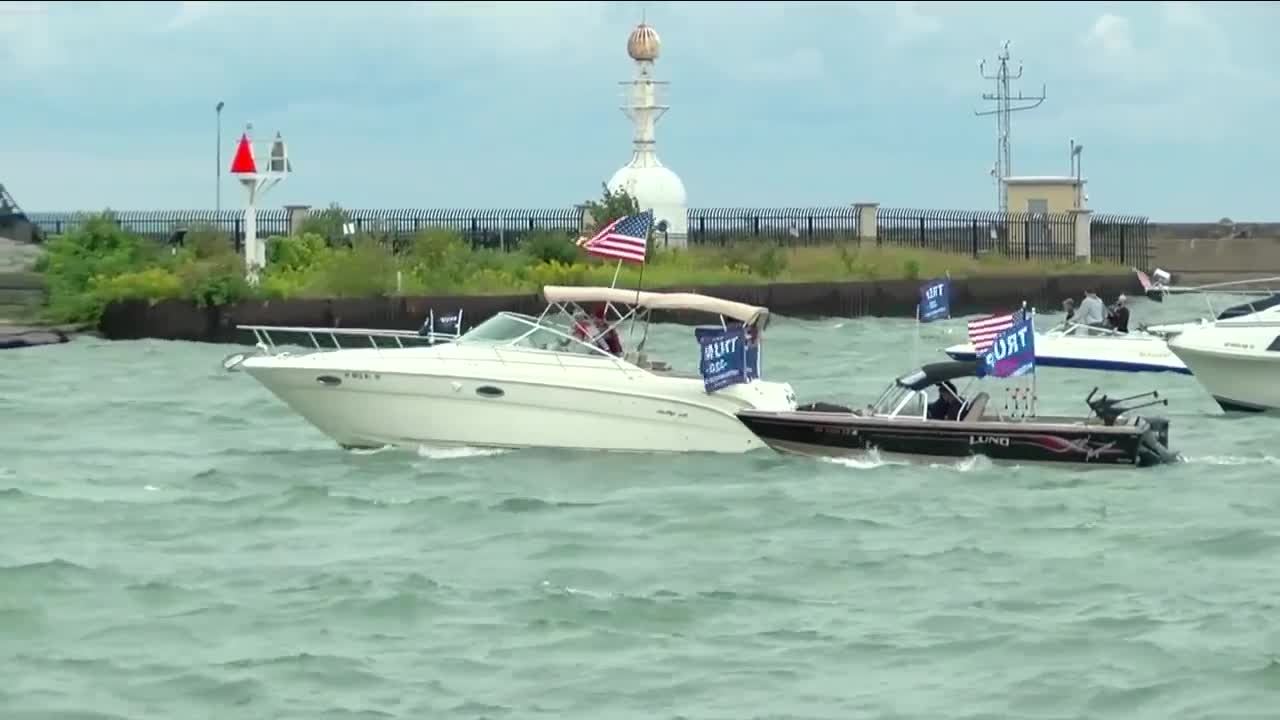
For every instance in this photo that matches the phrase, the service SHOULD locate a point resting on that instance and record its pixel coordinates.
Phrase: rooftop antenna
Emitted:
(1004, 108)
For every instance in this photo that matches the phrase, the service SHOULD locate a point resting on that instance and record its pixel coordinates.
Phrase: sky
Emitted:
(515, 105)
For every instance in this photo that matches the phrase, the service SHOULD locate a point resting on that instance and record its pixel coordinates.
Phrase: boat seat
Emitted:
(976, 407)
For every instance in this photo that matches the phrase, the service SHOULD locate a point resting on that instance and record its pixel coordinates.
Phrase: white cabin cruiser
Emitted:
(1236, 359)
(1264, 298)
(518, 381)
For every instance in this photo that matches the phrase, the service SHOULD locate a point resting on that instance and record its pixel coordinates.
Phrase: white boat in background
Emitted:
(1089, 348)
(518, 381)
(1236, 359)
(1145, 348)
(1264, 298)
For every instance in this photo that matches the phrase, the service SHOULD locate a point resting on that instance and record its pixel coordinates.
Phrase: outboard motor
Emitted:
(1153, 446)
(1160, 426)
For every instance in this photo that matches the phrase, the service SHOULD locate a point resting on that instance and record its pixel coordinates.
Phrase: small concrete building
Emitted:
(1047, 211)
(1052, 194)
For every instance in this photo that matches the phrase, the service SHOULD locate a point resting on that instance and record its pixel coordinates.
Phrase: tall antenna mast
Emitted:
(1004, 108)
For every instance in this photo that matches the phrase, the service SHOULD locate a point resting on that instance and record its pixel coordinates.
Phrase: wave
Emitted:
(431, 452)
(528, 504)
(1233, 460)
(48, 574)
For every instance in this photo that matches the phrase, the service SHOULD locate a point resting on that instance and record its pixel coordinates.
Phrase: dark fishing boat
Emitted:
(900, 424)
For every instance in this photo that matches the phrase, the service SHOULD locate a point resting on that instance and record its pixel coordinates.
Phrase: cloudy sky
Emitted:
(490, 104)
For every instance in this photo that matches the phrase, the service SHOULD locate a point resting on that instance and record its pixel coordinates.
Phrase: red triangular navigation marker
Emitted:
(243, 163)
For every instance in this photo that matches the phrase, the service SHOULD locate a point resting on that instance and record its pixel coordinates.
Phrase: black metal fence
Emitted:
(162, 224)
(1012, 234)
(1117, 238)
(789, 226)
(1125, 239)
(490, 229)
(1122, 239)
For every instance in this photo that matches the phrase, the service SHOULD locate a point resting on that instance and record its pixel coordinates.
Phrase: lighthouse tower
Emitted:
(653, 185)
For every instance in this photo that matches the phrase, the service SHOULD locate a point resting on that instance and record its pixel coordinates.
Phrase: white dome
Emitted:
(656, 188)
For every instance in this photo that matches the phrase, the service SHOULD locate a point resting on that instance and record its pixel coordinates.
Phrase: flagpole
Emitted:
(639, 283)
(1035, 375)
(915, 343)
(617, 269)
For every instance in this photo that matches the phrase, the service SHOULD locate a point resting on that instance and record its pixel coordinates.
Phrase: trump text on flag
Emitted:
(935, 300)
(1012, 353)
(724, 358)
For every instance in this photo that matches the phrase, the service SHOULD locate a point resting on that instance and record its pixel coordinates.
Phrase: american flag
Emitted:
(984, 331)
(623, 239)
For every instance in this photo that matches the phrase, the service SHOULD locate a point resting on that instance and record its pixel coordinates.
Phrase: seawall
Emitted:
(180, 320)
(1197, 253)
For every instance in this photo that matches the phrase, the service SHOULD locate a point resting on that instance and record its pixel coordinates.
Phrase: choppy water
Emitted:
(179, 545)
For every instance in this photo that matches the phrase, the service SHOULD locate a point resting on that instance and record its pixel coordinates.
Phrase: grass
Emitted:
(99, 263)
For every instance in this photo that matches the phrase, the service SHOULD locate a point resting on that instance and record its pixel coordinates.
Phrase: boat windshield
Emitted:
(1249, 308)
(899, 400)
(502, 328)
(514, 329)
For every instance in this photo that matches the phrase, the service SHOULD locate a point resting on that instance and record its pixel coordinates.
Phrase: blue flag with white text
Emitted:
(724, 360)
(1012, 353)
(935, 300)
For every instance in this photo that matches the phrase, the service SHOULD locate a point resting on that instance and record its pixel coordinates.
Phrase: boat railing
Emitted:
(401, 338)
(1077, 329)
(269, 344)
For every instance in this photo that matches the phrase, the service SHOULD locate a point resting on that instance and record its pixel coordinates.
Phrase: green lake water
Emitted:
(177, 544)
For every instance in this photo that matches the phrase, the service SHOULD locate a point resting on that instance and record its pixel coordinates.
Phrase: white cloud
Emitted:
(1111, 35)
(910, 24)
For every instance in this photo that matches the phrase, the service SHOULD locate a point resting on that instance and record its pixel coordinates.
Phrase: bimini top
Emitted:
(934, 373)
(742, 312)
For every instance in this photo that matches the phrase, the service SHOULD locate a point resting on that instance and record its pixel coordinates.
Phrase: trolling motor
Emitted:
(1109, 410)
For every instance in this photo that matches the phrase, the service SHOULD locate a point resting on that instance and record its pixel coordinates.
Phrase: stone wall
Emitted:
(177, 320)
(1220, 256)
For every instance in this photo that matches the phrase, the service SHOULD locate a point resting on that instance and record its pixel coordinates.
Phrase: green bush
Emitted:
(99, 263)
(366, 269)
(758, 257)
(91, 254)
(153, 284)
(542, 246)
(297, 252)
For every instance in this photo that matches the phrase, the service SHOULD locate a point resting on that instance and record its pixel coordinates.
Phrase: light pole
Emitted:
(217, 109)
(1076, 161)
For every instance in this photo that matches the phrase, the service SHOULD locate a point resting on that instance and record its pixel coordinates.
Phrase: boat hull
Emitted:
(834, 434)
(460, 402)
(1133, 353)
(1239, 367)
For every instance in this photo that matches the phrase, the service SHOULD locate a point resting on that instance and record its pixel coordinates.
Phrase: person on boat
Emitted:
(948, 404)
(1068, 307)
(612, 343)
(592, 330)
(1118, 316)
(1092, 312)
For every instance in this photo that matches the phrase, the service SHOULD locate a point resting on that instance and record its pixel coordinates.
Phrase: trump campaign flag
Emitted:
(935, 300)
(1012, 352)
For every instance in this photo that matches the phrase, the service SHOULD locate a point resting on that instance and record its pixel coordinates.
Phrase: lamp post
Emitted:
(1076, 162)
(217, 109)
